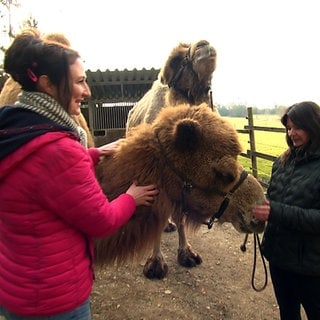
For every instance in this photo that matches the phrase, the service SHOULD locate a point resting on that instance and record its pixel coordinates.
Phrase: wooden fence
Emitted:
(251, 153)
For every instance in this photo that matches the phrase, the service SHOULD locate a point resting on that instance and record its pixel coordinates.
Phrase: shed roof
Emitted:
(120, 86)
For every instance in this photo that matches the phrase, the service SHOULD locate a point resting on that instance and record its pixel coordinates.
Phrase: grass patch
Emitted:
(271, 143)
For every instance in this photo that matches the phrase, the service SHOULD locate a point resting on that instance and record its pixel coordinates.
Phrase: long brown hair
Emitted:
(306, 116)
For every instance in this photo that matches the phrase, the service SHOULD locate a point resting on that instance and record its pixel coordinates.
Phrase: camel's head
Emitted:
(241, 204)
(201, 172)
(188, 70)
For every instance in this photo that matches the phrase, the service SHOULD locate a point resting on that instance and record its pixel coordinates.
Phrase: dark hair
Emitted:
(29, 57)
(306, 116)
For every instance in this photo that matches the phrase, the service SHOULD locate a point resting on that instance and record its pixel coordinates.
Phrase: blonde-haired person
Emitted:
(11, 88)
(291, 241)
(51, 204)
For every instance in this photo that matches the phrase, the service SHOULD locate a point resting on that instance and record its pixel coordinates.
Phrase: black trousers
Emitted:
(293, 290)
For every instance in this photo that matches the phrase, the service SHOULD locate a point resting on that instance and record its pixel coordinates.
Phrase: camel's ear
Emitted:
(170, 69)
(187, 135)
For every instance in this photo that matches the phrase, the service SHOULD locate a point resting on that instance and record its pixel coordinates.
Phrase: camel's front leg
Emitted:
(186, 257)
(156, 267)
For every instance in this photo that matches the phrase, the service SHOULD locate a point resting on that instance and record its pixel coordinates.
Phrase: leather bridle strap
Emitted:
(226, 200)
(177, 76)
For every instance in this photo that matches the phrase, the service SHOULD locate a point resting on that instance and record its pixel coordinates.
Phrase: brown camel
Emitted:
(191, 155)
(184, 78)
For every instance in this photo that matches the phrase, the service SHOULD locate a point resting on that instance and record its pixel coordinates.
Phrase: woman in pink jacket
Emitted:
(51, 205)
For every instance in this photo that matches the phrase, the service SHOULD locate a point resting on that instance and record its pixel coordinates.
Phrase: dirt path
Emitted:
(220, 288)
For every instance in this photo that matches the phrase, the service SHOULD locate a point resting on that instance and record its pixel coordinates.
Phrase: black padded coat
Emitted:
(291, 240)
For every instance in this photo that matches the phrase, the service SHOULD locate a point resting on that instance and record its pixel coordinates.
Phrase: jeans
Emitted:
(293, 290)
(80, 313)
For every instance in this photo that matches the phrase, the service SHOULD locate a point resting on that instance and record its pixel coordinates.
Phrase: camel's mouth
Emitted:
(254, 226)
(204, 52)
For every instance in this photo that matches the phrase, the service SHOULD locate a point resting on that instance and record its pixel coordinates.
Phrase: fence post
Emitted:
(91, 106)
(252, 143)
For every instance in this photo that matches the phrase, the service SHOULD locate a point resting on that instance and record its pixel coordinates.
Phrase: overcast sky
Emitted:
(268, 51)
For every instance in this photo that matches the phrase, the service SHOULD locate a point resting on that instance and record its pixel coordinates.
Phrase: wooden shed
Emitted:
(114, 93)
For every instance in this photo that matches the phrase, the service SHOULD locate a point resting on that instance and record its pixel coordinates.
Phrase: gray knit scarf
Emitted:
(48, 107)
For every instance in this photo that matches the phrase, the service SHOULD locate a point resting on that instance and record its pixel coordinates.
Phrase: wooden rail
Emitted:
(252, 154)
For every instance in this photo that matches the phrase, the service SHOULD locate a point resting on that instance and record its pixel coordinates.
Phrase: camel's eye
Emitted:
(225, 177)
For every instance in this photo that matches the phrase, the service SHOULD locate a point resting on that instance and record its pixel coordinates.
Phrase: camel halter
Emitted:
(188, 185)
(226, 200)
(187, 61)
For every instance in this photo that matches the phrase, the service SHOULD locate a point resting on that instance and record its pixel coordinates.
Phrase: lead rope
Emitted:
(211, 100)
(256, 244)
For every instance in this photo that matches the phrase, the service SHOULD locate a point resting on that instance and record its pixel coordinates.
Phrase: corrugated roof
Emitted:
(120, 86)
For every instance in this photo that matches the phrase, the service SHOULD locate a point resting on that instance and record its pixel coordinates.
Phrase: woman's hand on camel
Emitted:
(110, 148)
(143, 195)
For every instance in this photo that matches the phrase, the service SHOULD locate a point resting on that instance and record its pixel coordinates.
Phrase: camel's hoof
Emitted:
(188, 258)
(171, 227)
(155, 268)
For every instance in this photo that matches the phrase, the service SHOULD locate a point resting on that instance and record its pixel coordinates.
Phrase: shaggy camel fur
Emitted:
(191, 155)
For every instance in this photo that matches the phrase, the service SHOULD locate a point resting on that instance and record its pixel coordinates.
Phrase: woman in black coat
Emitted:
(291, 242)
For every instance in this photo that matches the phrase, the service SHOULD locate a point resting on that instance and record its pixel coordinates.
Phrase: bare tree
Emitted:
(31, 22)
(7, 28)
(6, 13)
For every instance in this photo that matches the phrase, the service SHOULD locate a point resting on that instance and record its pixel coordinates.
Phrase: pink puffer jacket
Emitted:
(51, 206)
